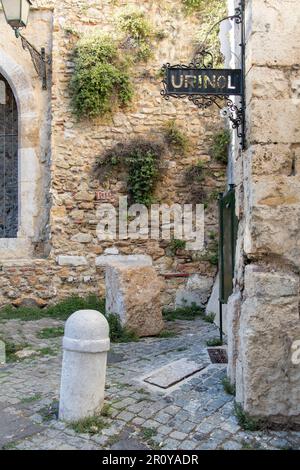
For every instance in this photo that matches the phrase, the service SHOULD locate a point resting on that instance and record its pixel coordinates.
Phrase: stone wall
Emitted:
(62, 257)
(263, 313)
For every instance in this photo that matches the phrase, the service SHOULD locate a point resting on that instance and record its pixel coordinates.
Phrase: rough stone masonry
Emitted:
(54, 255)
(263, 312)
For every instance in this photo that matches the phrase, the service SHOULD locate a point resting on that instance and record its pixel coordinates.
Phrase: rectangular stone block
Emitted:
(269, 160)
(133, 293)
(268, 383)
(132, 260)
(273, 218)
(69, 260)
(273, 121)
(174, 372)
(267, 83)
(274, 35)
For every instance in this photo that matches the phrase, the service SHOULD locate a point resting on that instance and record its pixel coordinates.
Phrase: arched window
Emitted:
(8, 161)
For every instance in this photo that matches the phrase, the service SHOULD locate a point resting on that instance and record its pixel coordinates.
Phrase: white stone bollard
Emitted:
(85, 346)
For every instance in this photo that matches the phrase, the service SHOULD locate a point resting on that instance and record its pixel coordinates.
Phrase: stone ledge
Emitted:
(125, 260)
(71, 260)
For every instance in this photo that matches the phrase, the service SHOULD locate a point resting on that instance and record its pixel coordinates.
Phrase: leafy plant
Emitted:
(90, 425)
(210, 317)
(193, 5)
(100, 81)
(208, 37)
(61, 310)
(139, 33)
(167, 334)
(31, 398)
(214, 342)
(212, 253)
(176, 245)
(118, 333)
(247, 422)
(141, 161)
(183, 313)
(219, 149)
(229, 388)
(46, 333)
(12, 348)
(175, 137)
(196, 173)
(50, 412)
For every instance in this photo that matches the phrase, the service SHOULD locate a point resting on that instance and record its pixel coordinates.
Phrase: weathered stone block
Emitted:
(232, 327)
(270, 160)
(133, 293)
(272, 24)
(268, 383)
(266, 83)
(274, 121)
(71, 260)
(197, 291)
(82, 238)
(133, 260)
(272, 206)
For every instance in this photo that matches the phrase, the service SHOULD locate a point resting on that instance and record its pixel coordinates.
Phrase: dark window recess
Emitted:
(8, 162)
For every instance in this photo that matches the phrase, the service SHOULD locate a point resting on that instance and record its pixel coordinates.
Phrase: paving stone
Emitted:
(164, 430)
(196, 415)
(126, 416)
(171, 444)
(232, 445)
(126, 441)
(138, 421)
(13, 428)
(180, 436)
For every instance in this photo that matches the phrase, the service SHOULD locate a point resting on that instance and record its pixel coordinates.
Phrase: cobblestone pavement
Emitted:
(195, 414)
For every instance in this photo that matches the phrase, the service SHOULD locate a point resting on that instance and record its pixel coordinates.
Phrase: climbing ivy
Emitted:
(193, 5)
(141, 161)
(210, 13)
(100, 81)
(139, 34)
(175, 137)
(219, 148)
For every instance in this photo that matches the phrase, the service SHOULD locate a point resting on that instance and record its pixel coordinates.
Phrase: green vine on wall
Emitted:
(219, 148)
(175, 137)
(141, 161)
(210, 12)
(101, 81)
(139, 34)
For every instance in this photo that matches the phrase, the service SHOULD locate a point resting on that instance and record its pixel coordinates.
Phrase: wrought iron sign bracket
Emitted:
(205, 85)
(39, 59)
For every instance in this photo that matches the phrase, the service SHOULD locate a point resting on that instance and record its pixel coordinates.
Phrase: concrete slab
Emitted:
(14, 428)
(174, 372)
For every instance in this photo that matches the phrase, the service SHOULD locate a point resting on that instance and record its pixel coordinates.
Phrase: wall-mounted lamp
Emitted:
(16, 14)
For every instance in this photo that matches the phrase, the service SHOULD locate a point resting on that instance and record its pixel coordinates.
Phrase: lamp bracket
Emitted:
(39, 59)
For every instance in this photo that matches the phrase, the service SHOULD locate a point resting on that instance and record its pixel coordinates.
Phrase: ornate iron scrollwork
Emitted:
(204, 59)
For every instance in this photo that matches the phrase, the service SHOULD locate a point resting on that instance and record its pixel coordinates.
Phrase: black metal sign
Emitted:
(181, 80)
(205, 85)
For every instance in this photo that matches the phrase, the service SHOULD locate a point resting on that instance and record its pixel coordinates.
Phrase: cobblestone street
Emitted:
(194, 414)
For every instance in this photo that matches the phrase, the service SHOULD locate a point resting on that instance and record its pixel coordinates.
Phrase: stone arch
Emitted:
(28, 134)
